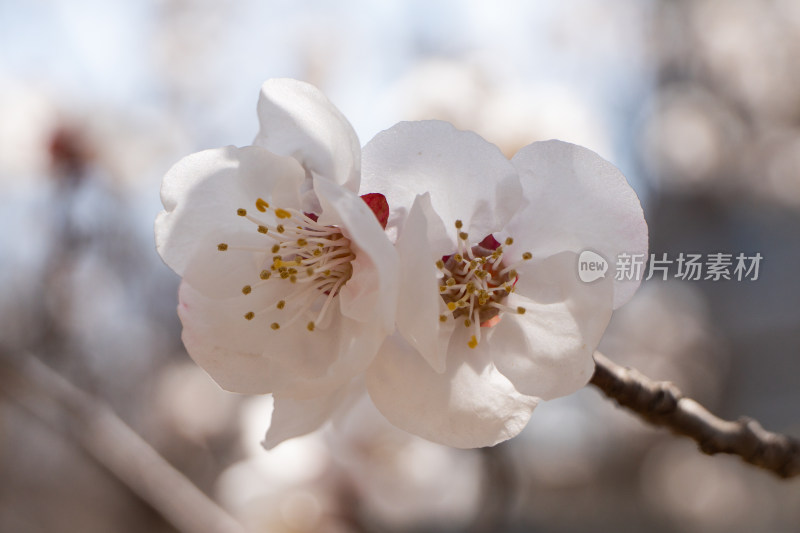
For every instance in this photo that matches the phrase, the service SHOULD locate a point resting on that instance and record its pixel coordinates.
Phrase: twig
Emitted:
(49, 396)
(662, 404)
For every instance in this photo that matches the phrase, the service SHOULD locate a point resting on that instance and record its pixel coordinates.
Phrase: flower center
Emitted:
(475, 283)
(316, 259)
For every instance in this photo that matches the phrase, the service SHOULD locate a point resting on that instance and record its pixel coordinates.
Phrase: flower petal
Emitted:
(467, 177)
(248, 356)
(468, 406)
(372, 290)
(233, 370)
(420, 301)
(547, 351)
(201, 195)
(293, 417)
(578, 201)
(297, 120)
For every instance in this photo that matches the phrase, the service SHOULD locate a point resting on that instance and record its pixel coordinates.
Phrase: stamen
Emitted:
(317, 257)
(476, 282)
(222, 247)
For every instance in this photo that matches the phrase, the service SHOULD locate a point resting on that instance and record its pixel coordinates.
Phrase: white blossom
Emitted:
(492, 317)
(289, 282)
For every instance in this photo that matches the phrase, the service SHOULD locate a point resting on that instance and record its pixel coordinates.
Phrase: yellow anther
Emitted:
(512, 274)
(527, 256)
(458, 258)
(467, 322)
(327, 272)
(293, 278)
(276, 248)
(509, 241)
(222, 247)
(265, 274)
(521, 310)
(451, 306)
(284, 274)
(281, 304)
(302, 242)
(246, 289)
(473, 342)
(440, 264)
(249, 315)
(310, 326)
(442, 318)
(292, 271)
(462, 303)
(241, 212)
(310, 272)
(281, 229)
(442, 288)
(450, 282)
(282, 213)
(459, 224)
(470, 287)
(261, 205)
(463, 235)
(262, 229)
(275, 326)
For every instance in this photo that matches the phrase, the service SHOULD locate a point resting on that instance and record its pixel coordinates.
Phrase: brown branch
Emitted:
(49, 397)
(662, 404)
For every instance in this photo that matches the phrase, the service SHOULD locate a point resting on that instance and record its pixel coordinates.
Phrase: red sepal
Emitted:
(377, 202)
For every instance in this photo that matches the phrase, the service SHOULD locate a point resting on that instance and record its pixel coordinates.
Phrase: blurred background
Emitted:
(697, 102)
